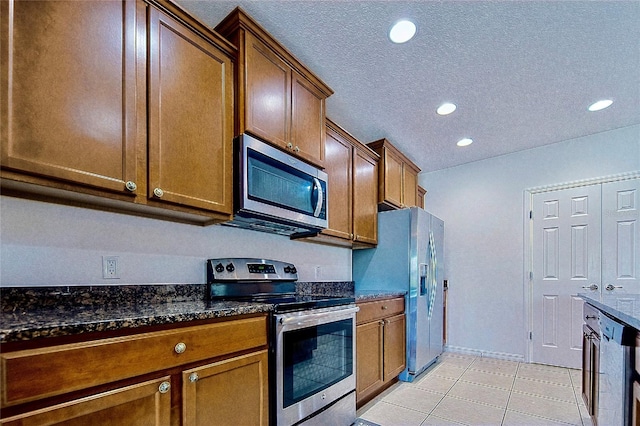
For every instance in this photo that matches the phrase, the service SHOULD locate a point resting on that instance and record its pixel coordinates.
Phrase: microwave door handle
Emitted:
(318, 187)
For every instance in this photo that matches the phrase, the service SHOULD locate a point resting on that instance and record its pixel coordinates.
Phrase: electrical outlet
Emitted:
(110, 269)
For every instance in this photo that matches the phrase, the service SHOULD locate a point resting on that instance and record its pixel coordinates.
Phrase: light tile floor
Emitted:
(467, 390)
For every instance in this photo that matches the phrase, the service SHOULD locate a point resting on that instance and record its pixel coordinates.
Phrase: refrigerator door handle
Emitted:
(433, 282)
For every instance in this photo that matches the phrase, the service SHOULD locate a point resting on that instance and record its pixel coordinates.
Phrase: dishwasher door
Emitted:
(616, 373)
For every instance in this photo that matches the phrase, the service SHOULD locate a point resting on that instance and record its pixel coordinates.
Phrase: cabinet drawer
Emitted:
(371, 311)
(37, 373)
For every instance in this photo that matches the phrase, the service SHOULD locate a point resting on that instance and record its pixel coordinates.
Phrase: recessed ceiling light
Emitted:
(465, 142)
(402, 31)
(597, 106)
(446, 108)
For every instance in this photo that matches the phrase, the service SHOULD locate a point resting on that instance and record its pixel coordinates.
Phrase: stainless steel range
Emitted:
(312, 341)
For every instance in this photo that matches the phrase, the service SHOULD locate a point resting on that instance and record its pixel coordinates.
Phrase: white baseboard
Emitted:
(484, 354)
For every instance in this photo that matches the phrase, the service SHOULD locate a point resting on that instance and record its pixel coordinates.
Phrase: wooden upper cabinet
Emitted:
(190, 118)
(268, 93)
(365, 197)
(71, 94)
(398, 177)
(421, 194)
(352, 188)
(278, 99)
(339, 169)
(122, 100)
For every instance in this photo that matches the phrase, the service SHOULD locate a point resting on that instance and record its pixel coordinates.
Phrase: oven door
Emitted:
(315, 361)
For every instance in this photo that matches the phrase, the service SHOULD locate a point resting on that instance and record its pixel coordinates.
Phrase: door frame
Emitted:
(527, 270)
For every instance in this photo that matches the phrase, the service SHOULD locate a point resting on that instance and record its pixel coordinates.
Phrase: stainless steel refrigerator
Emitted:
(409, 258)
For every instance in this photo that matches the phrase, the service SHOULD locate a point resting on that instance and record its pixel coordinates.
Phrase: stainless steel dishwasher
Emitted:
(617, 360)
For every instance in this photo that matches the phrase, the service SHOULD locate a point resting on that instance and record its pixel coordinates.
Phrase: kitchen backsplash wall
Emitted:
(44, 244)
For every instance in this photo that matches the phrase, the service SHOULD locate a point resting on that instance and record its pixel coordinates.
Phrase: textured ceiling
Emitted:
(521, 72)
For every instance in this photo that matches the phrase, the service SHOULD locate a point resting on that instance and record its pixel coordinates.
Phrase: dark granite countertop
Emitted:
(36, 312)
(624, 307)
(51, 312)
(366, 295)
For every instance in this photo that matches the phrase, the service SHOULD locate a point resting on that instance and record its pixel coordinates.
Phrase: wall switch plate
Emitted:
(110, 268)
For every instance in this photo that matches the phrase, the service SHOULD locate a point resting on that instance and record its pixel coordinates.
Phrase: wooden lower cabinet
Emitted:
(145, 403)
(229, 392)
(380, 346)
(207, 374)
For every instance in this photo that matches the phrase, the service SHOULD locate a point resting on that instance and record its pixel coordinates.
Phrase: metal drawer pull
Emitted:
(180, 348)
(164, 387)
(193, 377)
(591, 317)
(384, 307)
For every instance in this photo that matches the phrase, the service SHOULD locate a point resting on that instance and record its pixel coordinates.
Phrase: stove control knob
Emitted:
(294, 270)
(287, 269)
(230, 267)
(219, 267)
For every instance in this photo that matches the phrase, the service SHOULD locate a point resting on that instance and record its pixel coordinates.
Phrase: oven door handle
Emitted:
(316, 317)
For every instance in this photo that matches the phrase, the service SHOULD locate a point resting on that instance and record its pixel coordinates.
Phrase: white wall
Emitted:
(49, 244)
(482, 204)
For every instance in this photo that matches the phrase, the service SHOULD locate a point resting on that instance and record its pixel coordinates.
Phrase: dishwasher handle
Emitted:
(616, 331)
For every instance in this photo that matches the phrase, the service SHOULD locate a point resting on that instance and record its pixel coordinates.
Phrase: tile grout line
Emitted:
(504, 415)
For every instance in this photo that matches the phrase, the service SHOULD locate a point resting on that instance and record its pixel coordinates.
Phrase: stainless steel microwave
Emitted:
(276, 192)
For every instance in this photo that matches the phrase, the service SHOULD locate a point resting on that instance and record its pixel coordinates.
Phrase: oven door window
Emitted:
(316, 358)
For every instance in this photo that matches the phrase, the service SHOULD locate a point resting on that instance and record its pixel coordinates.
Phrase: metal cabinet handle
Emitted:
(158, 192)
(180, 348)
(296, 149)
(611, 287)
(131, 186)
(384, 307)
(193, 377)
(290, 145)
(164, 387)
(591, 287)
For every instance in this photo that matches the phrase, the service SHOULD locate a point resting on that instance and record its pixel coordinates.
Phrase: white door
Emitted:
(566, 261)
(621, 238)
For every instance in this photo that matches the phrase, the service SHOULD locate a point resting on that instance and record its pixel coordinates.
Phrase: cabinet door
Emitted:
(409, 187)
(392, 181)
(365, 198)
(369, 358)
(136, 405)
(190, 118)
(338, 166)
(69, 90)
(229, 392)
(268, 93)
(394, 346)
(307, 120)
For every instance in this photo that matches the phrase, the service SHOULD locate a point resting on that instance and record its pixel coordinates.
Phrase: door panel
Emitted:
(69, 90)
(191, 120)
(566, 260)
(621, 236)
